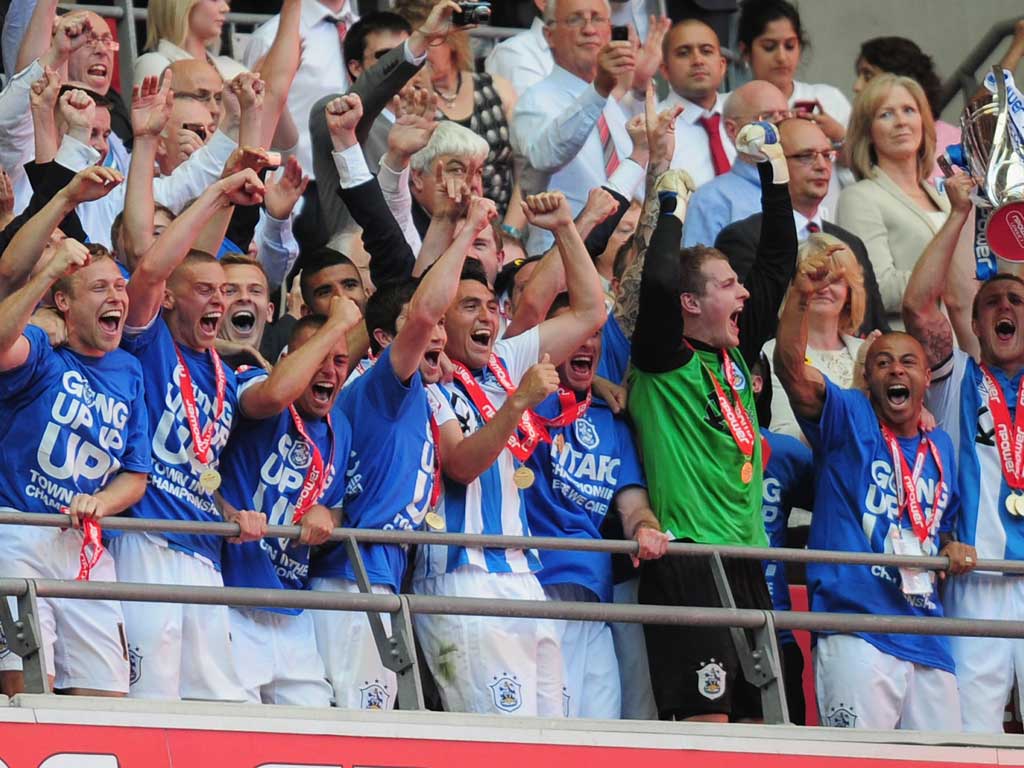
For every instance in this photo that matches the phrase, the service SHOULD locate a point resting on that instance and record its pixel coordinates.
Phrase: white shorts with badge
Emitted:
(591, 671)
(859, 686)
(276, 658)
(176, 651)
(986, 667)
(84, 640)
(492, 665)
(354, 669)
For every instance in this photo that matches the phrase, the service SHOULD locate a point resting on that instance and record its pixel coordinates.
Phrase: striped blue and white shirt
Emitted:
(491, 504)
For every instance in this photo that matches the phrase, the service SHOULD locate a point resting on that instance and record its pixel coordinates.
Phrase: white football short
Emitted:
(176, 651)
(276, 658)
(349, 652)
(859, 686)
(492, 665)
(591, 671)
(631, 652)
(986, 667)
(83, 640)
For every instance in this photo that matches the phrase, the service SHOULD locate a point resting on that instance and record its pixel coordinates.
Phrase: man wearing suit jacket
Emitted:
(809, 156)
(375, 87)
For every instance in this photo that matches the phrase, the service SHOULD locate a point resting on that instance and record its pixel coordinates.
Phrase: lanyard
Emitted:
(201, 439)
(522, 449)
(435, 433)
(906, 489)
(1009, 438)
(736, 417)
(571, 410)
(316, 475)
(92, 536)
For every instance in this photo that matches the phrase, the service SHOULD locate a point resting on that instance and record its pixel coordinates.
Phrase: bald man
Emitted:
(197, 80)
(694, 66)
(736, 194)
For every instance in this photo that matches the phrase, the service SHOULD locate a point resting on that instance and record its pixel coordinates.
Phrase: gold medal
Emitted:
(747, 472)
(1018, 504)
(434, 521)
(209, 481)
(523, 478)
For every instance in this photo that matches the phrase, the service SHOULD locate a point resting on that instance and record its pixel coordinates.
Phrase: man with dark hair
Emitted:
(327, 273)
(394, 479)
(75, 439)
(979, 403)
(370, 38)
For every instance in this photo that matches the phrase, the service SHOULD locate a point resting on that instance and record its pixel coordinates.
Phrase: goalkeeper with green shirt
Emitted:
(693, 406)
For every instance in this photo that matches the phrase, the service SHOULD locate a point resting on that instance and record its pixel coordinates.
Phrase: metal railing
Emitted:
(964, 78)
(760, 662)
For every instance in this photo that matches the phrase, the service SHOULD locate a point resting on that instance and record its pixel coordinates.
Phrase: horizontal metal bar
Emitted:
(977, 56)
(365, 536)
(549, 609)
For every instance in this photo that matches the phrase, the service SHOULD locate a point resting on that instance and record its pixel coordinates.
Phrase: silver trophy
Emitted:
(992, 127)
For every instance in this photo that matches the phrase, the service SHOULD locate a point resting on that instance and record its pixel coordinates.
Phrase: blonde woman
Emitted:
(191, 29)
(894, 207)
(836, 313)
(475, 100)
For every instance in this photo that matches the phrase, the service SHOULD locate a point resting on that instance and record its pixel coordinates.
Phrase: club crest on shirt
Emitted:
(300, 456)
(373, 696)
(586, 434)
(507, 692)
(841, 716)
(135, 665)
(711, 680)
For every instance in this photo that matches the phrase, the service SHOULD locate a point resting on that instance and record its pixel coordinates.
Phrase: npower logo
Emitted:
(1015, 221)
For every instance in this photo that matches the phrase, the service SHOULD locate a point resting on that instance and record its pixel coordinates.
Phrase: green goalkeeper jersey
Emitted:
(694, 466)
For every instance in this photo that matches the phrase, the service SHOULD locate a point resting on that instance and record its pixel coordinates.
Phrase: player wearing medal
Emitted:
(882, 485)
(979, 404)
(693, 406)
(588, 467)
(177, 304)
(75, 439)
(394, 474)
(290, 466)
(500, 666)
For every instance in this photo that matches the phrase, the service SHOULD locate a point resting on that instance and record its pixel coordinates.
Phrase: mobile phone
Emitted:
(472, 13)
(806, 106)
(197, 128)
(620, 33)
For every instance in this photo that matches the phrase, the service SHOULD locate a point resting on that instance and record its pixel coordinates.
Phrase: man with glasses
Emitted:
(736, 194)
(566, 126)
(809, 156)
(196, 80)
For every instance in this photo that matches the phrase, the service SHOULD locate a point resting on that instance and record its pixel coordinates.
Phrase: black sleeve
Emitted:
(737, 241)
(377, 85)
(391, 258)
(598, 239)
(47, 179)
(658, 334)
(773, 267)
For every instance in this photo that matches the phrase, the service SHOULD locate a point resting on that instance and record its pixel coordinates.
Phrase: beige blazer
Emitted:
(894, 229)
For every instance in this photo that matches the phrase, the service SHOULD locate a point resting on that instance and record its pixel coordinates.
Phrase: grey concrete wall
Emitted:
(945, 29)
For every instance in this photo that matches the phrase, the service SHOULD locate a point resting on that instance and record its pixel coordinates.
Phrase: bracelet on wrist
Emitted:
(514, 232)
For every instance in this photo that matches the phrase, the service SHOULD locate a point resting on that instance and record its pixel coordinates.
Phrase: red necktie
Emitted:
(719, 159)
(812, 227)
(342, 30)
(611, 157)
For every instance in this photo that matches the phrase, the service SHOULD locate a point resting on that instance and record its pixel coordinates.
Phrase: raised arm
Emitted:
(776, 249)
(146, 288)
(24, 250)
(436, 292)
(292, 375)
(560, 335)
(17, 308)
(43, 105)
(803, 383)
(925, 320)
(278, 70)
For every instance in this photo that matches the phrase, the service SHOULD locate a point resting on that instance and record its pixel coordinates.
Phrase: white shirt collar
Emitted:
(537, 30)
(693, 112)
(313, 13)
(802, 221)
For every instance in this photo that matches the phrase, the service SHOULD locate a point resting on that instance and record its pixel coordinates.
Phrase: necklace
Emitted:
(449, 100)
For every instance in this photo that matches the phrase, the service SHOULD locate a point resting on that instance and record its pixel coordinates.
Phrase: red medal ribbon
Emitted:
(571, 410)
(201, 439)
(435, 492)
(736, 417)
(316, 475)
(907, 487)
(92, 536)
(522, 449)
(1009, 439)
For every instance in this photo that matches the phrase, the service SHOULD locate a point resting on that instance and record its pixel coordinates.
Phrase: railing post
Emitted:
(761, 666)
(129, 49)
(25, 640)
(397, 650)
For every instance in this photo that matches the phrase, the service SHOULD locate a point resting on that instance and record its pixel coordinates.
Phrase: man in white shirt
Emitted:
(566, 126)
(322, 28)
(694, 66)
